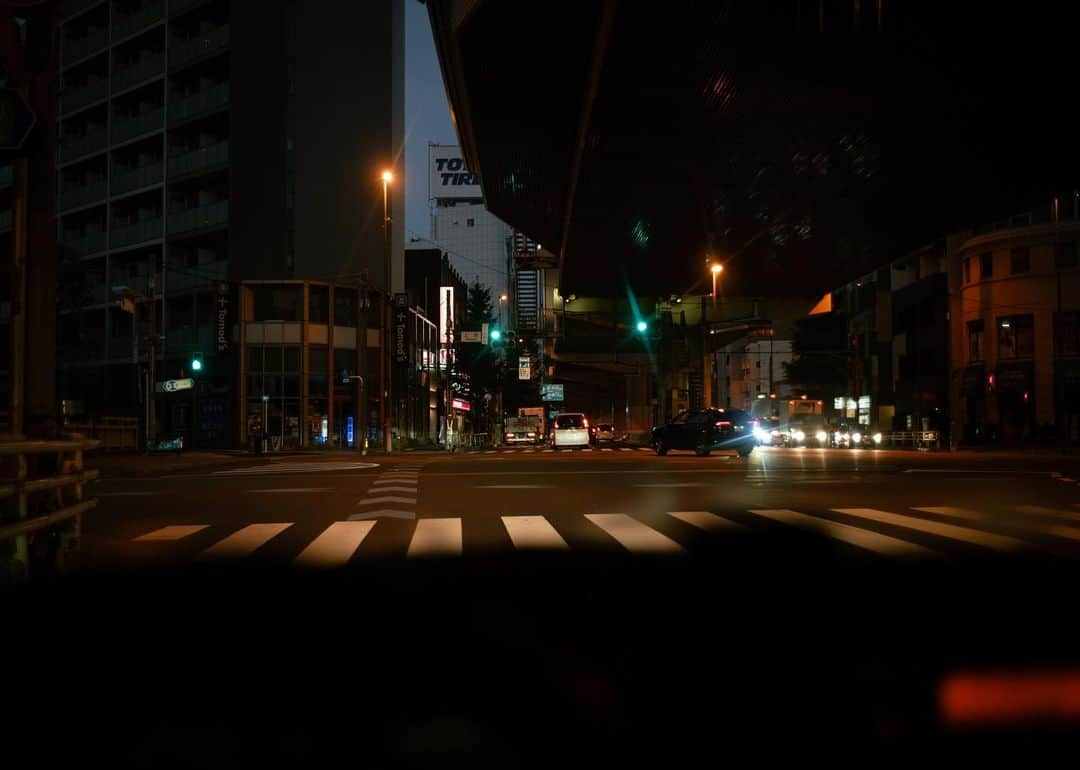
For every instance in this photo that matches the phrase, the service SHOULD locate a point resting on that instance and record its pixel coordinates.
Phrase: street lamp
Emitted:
(715, 268)
(502, 300)
(384, 360)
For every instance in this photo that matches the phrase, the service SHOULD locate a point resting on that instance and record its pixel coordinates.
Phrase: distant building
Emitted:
(477, 242)
(1015, 309)
(209, 144)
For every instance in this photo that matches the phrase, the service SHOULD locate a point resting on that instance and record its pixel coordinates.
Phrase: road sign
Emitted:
(524, 367)
(16, 120)
(171, 386)
(551, 392)
(471, 336)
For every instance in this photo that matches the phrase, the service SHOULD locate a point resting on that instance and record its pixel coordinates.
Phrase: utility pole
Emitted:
(151, 424)
(386, 379)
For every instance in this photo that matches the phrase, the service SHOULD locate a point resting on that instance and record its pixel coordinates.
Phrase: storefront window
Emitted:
(1016, 336)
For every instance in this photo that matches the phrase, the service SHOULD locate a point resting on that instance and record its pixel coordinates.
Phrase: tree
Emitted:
(479, 308)
(481, 362)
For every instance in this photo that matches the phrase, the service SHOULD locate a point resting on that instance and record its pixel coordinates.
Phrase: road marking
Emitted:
(964, 534)
(625, 449)
(1058, 530)
(382, 513)
(306, 467)
(336, 545)
(1052, 474)
(948, 510)
(634, 535)
(287, 489)
(514, 486)
(643, 449)
(244, 541)
(674, 484)
(862, 538)
(548, 450)
(400, 488)
(490, 452)
(133, 494)
(436, 537)
(1054, 513)
(387, 499)
(607, 449)
(533, 533)
(707, 521)
(396, 476)
(172, 532)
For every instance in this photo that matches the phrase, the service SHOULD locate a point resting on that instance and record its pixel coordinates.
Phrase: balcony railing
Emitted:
(205, 101)
(72, 7)
(86, 145)
(5, 220)
(83, 47)
(144, 69)
(90, 243)
(82, 195)
(126, 180)
(7, 176)
(126, 235)
(125, 25)
(198, 218)
(187, 51)
(198, 276)
(76, 98)
(126, 128)
(206, 157)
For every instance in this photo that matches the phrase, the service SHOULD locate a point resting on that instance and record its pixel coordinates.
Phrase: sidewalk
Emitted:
(130, 464)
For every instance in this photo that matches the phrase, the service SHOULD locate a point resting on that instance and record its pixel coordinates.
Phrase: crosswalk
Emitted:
(919, 532)
(565, 450)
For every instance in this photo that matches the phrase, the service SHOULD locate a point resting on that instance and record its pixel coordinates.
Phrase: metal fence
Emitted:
(915, 439)
(113, 433)
(41, 503)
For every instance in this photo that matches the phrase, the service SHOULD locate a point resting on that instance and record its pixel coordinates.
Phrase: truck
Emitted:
(523, 429)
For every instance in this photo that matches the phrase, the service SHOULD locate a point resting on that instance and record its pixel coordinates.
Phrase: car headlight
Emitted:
(799, 435)
(760, 434)
(877, 438)
(837, 436)
(856, 437)
(822, 435)
(774, 433)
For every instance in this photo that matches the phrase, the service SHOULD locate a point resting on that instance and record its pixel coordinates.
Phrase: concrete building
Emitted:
(204, 143)
(1014, 300)
(477, 242)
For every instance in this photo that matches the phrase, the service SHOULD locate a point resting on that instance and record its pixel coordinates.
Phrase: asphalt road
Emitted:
(612, 501)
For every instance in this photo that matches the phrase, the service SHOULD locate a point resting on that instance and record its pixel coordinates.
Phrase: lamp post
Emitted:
(715, 268)
(385, 375)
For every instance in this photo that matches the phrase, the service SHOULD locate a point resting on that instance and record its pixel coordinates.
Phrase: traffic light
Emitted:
(495, 334)
(642, 327)
(196, 362)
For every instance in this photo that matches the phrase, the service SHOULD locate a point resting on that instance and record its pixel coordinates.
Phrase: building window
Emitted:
(1066, 334)
(975, 340)
(319, 304)
(986, 265)
(1065, 256)
(1016, 336)
(470, 222)
(967, 270)
(1020, 260)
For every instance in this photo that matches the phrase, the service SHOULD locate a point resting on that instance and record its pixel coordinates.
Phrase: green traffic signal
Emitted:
(642, 326)
(495, 335)
(196, 362)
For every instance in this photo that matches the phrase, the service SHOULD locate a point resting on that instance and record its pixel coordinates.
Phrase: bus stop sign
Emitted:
(16, 120)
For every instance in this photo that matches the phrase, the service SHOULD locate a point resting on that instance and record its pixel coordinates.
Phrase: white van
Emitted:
(570, 429)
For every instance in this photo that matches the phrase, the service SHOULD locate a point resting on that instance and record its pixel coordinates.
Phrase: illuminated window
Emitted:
(1016, 336)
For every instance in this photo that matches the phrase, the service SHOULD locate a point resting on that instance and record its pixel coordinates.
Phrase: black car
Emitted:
(704, 430)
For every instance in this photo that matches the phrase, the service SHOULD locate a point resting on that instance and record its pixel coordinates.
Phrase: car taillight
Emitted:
(723, 423)
(586, 423)
(531, 435)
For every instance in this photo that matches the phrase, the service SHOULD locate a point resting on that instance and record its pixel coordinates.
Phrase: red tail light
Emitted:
(586, 423)
(723, 423)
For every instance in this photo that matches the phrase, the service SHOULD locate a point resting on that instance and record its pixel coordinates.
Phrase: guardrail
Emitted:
(111, 432)
(914, 439)
(35, 479)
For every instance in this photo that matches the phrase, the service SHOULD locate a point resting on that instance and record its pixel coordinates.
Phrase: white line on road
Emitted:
(634, 535)
(1058, 530)
(948, 510)
(288, 489)
(533, 533)
(607, 449)
(172, 532)
(514, 486)
(386, 478)
(1054, 513)
(387, 499)
(382, 513)
(307, 467)
(400, 488)
(336, 545)
(436, 537)
(625, 449)
(684, 484)
(964, 534)
(134, 494)
(862, 538)
(244, 541)
(707, 521)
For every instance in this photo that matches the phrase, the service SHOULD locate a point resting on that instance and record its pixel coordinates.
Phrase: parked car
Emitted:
(706, 430)
(570, 429)
(602, 431)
